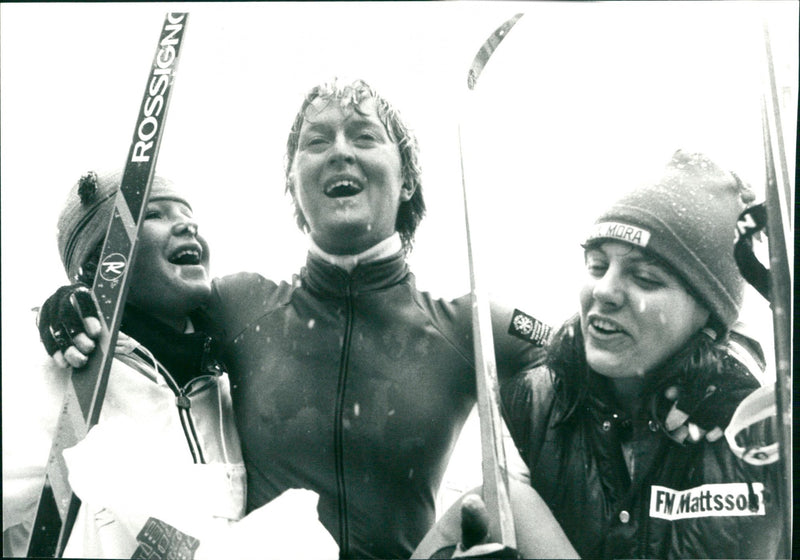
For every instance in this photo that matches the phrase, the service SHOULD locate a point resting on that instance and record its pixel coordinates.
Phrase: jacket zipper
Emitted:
(183, 402)
(344, 544)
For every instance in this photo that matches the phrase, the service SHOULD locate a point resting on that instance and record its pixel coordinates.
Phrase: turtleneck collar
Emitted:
(330, 280)
(380, 250)
(185, 355)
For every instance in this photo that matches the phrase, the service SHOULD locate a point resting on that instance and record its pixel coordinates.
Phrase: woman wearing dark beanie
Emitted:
(594, 426)
(165, 453)
(621, 429)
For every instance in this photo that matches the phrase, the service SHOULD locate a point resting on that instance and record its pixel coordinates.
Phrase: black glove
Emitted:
(67, 322)
(704, 405)
(712, 403)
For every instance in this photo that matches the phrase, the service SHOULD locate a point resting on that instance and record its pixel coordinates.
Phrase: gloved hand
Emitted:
(677, 421)
(475, 533)
(703, 407)
(68, 321)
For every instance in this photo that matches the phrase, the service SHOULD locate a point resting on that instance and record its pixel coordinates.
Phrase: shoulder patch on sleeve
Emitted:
(529, 328)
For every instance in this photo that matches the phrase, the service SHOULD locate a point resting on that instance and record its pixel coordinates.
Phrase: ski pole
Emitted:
(58, 506)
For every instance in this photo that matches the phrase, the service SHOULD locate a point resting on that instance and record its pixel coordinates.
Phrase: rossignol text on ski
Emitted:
(58, 505)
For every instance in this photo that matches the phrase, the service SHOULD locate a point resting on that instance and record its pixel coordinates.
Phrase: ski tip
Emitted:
(488, 47)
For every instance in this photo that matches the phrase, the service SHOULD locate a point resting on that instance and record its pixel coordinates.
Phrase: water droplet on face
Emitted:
(311, 323)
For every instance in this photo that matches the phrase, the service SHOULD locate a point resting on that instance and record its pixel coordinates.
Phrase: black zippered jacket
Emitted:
(696, 500)
(355, 386)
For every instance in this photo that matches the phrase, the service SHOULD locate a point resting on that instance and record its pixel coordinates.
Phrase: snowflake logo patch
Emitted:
(529, 328)
(523, 324)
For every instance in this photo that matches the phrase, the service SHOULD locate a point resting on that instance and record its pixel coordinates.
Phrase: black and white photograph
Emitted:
(398, 279)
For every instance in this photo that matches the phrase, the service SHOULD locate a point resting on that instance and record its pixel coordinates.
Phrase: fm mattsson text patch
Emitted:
(732, 499)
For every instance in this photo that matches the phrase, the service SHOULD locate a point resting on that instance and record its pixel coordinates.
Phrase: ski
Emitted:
(495, 475)
(771, 403)
(779, 202)
(58, 506)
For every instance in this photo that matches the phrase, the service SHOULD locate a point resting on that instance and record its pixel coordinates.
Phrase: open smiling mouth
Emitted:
(604, 327)
(186, 256)
(343, 188)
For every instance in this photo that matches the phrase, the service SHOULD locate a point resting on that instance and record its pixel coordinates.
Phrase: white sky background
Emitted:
(581, 101)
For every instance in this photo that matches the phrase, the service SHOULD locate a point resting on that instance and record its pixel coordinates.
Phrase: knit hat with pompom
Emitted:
(84, 219)
(688, 220)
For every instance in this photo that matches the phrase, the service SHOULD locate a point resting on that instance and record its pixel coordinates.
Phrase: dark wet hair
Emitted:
(351, 95)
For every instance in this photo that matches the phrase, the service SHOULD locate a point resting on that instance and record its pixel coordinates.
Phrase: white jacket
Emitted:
(142, 460)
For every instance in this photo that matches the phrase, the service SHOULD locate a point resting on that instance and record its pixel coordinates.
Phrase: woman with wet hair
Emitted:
(349, 97)
(349, 381)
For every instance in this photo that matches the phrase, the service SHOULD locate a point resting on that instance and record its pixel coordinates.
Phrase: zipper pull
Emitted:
(208, 364)
(182, 401)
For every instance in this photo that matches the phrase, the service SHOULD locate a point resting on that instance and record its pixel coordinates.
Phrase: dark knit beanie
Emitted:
(688, 220)
(83, 221)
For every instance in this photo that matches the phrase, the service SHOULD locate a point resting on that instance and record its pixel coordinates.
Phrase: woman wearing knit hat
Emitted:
(601, 425)
(148, 458)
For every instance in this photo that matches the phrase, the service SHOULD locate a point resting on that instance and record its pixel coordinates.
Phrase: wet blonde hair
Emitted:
(351, 96)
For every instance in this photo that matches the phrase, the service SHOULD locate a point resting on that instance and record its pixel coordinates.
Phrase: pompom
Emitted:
(87, 187)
